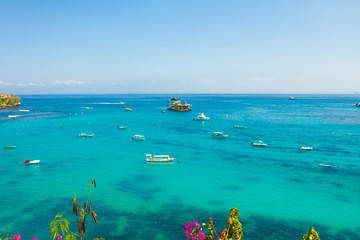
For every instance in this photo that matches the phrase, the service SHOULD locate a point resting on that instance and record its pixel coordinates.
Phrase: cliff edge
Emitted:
(9, 100)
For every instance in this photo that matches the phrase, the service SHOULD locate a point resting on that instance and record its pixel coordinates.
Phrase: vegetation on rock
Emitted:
(9, 100)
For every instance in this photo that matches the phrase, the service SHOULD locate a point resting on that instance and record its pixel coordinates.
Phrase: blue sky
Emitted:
(185, 46)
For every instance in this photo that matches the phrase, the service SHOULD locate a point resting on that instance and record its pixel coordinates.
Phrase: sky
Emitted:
(180, 46)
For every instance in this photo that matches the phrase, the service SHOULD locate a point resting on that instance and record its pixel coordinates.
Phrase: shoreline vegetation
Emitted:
(7, 101)
(59, 227)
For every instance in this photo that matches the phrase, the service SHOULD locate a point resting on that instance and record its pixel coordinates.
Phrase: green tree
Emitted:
(234, 229)
(71, 236)
(311, 235)
(57, 225)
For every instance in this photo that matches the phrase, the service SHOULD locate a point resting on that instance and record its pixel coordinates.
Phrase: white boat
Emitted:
(325, 165)
(9, 147)
(291, 98)
(201, 117)
(138, 137)
(122, 127)
(259, 144)
(14, 116)
(88, 107)
(24, 110)
(306, 148)
(239, 126)
(219, 135)
(33, 162)
(159, 159)
(122, 102)
(86, 135)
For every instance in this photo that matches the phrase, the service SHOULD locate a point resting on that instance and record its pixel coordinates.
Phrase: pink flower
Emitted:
(193, 238)
(220, 235)
(60, 237)
(187, 226)
(17, 237)
(196, 224)
(34, 238)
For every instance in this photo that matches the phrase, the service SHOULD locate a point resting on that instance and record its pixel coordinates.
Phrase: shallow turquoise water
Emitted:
(280, 191)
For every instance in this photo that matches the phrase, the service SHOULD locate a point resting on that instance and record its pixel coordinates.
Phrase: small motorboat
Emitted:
(122, 127)
(201, 117)
(259, 144)
(291, 98)
(325, 165)
(163, 111)
(86, 135)
(239, 126)
(128, 109)
(14, 116)
(219, 135)
(357, 104)
(24, 110)
(122, 102)
(159, 159)
(9, 147)
(27, 162)
(306, 148)
(88, 107)
(139, 137)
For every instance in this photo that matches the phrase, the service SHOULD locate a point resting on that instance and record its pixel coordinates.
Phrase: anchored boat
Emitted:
(325, 165)
(86, 135)
(219, 135)
(306, 148)
(259, 144)
(179, 106)
(239, 126)
(201, 117)
(139, 137)
(159, 159)
(27, 162)
(9, 147)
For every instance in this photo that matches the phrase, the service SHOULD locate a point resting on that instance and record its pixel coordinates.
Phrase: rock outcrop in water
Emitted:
(9, 100)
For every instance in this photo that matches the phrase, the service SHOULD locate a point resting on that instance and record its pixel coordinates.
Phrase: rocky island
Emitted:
(9, 100)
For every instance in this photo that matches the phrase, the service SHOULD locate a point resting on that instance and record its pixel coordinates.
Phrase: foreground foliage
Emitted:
(311, 235)
(57, 225)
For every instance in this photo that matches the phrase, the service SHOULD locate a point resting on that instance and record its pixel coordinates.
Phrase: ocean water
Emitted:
(279, 190)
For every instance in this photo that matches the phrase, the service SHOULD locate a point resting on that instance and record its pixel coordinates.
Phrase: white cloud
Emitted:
(70, 82)
(262, 79)
(30, 84)
(2, 83)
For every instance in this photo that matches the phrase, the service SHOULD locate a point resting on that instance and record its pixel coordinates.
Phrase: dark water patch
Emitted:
(215, 202)
(42, 213)
(342, 198)
(237, 159)
(287, 165)
(296, 180)
(140, 185)
(253, 179)
(338, 185)
(168, 223)
(230, 187)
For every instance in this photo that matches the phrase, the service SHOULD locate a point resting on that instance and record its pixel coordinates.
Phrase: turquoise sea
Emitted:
(279, 190)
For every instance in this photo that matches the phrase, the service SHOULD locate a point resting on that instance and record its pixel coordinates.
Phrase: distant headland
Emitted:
(9, 100)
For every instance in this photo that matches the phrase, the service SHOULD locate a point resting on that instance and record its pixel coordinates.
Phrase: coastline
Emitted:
(8, 101)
